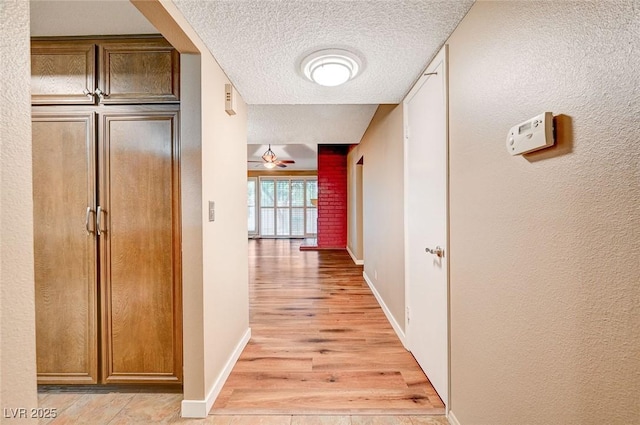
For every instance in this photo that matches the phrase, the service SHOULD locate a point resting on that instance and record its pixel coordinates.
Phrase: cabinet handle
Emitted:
(88, 93)
(101, 94)
(86, 220)
(99, 228)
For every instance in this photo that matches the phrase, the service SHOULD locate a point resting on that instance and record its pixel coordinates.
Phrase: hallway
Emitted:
(321, 352)
(320, 342)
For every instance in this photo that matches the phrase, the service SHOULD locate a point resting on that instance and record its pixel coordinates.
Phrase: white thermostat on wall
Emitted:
(531, 135)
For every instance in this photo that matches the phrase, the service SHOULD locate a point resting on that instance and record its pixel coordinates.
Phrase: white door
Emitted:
(426, 223)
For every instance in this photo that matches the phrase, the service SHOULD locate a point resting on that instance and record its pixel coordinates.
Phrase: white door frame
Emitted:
(441, 58)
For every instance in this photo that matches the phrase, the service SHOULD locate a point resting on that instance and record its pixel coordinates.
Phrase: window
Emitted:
(297, 208)
(285, 207)
(312, 210)
(252, 219)
(267, 208)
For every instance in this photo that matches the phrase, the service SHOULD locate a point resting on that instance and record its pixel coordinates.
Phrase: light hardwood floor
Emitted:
(322, 353)
(320, 342)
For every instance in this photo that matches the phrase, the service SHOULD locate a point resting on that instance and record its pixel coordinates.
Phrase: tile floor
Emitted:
(157, 408)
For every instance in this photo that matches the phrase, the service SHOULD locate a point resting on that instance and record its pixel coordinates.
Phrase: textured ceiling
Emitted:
(308, 124)
(105, 17)
(260, 44)
(300, 128)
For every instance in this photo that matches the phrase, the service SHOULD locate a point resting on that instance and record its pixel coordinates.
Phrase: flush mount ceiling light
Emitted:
(331, 67)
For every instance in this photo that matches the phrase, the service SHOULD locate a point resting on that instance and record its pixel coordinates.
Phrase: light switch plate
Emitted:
(212, 211)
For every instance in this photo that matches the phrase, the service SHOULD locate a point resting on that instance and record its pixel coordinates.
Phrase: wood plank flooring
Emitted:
(320, 342)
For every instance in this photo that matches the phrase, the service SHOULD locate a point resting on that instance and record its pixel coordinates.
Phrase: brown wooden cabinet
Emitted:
(104, 71)
(63, 72)
(140, 241)
(65, 248)
(138, 71)
(107, 241)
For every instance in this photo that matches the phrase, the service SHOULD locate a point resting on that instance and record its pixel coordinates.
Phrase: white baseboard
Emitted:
(387, 312)
(194, 409)
(452, 418)
(353, 257)
(201, 408)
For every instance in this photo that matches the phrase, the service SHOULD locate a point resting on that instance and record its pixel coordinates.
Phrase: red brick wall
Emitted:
(332, 196)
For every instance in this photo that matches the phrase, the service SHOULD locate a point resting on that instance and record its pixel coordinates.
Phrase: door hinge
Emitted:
(408, 315)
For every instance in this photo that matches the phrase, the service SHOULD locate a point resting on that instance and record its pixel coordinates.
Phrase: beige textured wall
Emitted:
(354, 207)
(383, 219)
(192, 224)
(225, 248)
(545, 270)
(216, 308)
(17, 299)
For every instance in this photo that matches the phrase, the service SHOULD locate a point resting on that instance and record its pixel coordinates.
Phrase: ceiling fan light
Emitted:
(331, 67)
(269, 155)
(269, 165)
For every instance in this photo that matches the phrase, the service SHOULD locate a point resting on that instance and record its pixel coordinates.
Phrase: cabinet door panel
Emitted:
(141, 276)
(61, 72)
(139, 72)
(65, 247)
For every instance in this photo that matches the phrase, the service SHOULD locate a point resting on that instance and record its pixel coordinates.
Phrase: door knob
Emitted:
(437, 251)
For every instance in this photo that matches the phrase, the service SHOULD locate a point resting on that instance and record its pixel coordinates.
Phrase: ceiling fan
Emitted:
(270, 160)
